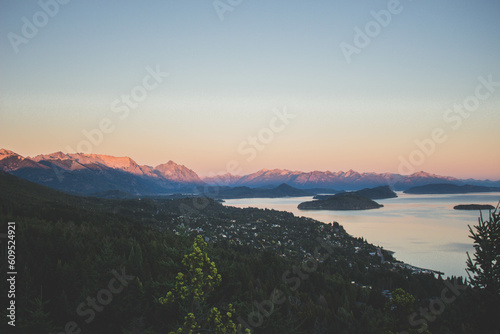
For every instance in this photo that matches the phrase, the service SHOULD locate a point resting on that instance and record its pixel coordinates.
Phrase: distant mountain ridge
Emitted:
(350, 180)
(444, 188)
(380, 192)
(86, 174)
(283, 190)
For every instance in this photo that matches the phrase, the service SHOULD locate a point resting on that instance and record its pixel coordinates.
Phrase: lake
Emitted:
(422, 230)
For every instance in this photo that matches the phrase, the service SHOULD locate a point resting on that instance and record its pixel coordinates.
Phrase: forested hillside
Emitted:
(102, 266)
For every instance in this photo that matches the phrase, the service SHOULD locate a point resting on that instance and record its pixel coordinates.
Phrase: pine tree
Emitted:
(191, 290)
(484, 269)
(38, 319)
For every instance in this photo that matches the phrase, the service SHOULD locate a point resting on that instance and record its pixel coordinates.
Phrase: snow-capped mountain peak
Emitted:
(6, 153)
(11, 161)
(52, 156)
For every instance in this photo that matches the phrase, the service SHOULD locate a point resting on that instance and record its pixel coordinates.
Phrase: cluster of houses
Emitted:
(286, 235)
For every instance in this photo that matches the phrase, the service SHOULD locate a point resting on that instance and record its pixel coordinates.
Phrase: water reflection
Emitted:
(423, 230)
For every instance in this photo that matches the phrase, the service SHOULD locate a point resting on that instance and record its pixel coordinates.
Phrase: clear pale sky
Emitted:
(226, 79)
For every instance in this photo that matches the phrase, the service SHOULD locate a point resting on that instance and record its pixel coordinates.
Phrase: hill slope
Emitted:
(73, 249)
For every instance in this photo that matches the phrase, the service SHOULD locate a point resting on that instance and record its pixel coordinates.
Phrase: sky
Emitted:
(238, 85)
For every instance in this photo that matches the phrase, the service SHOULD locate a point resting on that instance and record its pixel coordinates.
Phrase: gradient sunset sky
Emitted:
(431, 68)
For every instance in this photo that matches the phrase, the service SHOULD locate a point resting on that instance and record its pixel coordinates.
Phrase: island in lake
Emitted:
(474, 207)
(342, 201)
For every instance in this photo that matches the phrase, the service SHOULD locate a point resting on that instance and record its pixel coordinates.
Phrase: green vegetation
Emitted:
(107, 266)
(484, 268)
(191, 289)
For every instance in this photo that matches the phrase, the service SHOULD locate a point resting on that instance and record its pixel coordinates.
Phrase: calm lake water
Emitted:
(423, 230)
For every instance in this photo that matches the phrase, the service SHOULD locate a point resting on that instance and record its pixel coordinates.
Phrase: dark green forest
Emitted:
(89, 265)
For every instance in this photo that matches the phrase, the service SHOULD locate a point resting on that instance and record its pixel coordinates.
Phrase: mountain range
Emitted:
(350, 180)
(92, 173)
(89, 174)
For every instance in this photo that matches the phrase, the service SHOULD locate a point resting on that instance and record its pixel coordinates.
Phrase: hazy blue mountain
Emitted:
(283, 190)
(445, 188)
(381, 192)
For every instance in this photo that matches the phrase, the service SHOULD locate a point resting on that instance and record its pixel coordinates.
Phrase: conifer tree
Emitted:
(38, 319)
(192, 287)
(484, 269)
